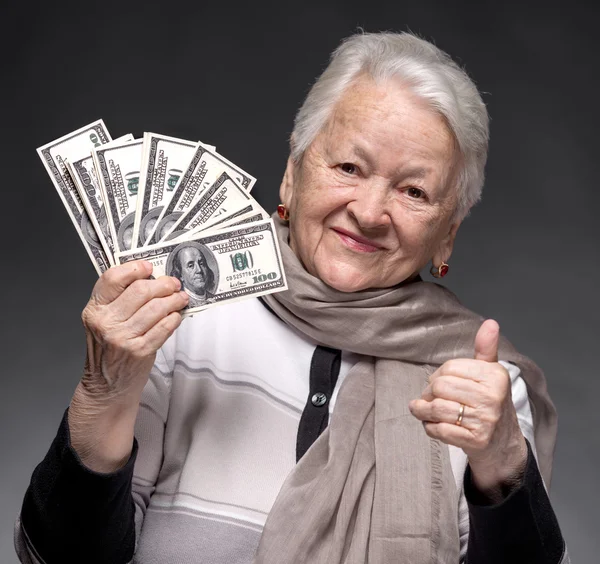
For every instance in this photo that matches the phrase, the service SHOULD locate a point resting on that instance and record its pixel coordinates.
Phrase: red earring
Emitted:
(283, 212)
(440, 271)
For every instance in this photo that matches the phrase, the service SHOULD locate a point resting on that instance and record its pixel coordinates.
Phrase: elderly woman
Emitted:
(364, 415)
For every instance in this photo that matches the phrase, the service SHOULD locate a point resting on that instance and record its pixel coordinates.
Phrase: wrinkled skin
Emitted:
(127, 319)
(382, 169)
(489, 433)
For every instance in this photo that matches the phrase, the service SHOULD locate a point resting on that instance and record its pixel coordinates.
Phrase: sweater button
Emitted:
(319, 399)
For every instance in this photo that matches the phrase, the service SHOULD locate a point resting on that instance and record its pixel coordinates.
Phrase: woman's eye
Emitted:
(419, 193)
(349, 168)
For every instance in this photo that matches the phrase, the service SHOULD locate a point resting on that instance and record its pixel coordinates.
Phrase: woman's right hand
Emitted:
(127, 319)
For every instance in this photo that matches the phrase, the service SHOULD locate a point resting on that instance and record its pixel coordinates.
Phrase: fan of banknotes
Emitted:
(178, 204)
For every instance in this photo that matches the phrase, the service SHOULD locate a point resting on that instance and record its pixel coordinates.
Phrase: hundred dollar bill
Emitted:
(249, 215)
(252, 212)
(118, 168)
(83, 174)
(204, 169)
(120, 140)
(54, 155)
(163, 162)
(221, 201)
(219, 266)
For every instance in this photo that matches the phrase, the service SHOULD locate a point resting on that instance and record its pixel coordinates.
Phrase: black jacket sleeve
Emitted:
(520, 529)
(73, 514)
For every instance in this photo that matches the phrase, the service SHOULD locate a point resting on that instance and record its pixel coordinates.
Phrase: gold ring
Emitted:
(461, 412)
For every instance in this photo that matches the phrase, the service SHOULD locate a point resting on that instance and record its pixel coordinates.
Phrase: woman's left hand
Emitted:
(489, 432)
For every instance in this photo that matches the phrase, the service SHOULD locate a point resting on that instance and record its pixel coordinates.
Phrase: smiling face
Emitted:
(372, 198)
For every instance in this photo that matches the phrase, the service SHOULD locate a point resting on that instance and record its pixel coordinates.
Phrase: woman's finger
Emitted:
(468, 368)
(139, 293)
(487, 341)
(114, 281)
(153, 311)
(443, 411)
(157, 335)
(454, 388)
(450, 434)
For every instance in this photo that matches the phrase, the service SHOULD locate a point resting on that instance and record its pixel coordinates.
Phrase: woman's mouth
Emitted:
(356, 242)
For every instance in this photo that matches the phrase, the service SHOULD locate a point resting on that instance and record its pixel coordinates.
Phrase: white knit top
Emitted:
(217, 432)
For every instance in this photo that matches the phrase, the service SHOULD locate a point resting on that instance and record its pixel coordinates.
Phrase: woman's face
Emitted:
(371, 200)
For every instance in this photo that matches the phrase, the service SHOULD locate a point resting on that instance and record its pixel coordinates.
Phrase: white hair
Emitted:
(430, 74)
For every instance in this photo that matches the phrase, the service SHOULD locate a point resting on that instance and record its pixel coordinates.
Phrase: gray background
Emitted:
(233, 75)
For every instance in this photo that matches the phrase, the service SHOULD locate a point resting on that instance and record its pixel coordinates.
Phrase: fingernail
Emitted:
(185, 296)
(177, 282)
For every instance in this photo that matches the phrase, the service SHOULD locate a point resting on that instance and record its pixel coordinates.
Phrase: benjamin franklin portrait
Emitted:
(195, 266)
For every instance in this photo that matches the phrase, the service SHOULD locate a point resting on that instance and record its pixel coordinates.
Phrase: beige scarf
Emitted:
(374, 487)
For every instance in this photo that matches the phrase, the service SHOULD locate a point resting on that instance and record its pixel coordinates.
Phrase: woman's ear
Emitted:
(286, 189)
(445, 247)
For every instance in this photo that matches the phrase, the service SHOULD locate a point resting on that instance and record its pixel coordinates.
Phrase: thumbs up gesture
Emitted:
(468, 404)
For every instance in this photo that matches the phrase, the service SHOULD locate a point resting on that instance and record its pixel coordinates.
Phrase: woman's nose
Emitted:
(369, 207)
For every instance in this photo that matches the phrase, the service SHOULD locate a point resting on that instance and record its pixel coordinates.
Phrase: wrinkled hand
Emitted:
(489, 434)
(127, 319)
